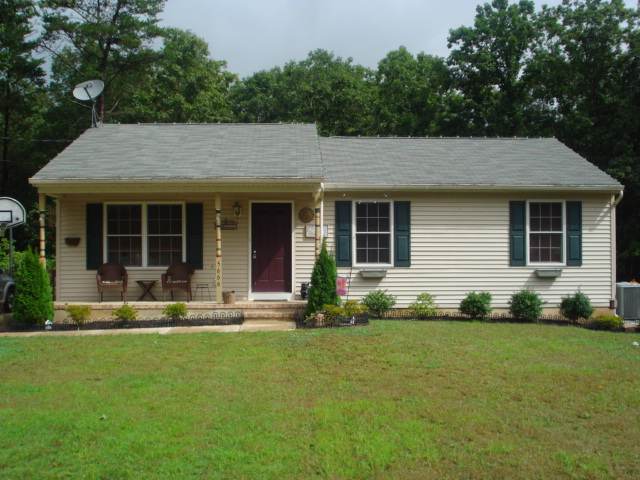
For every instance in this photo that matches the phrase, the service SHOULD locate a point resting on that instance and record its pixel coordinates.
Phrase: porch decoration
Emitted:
(229, 297)
(306, 215)
(72, 241)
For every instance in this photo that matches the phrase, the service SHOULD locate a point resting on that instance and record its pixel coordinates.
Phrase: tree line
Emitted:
(571, 71)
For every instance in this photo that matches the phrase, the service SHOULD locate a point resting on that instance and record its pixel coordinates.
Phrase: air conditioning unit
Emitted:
(628, 296)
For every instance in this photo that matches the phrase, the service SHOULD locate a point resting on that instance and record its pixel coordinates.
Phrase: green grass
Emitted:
(391, 400)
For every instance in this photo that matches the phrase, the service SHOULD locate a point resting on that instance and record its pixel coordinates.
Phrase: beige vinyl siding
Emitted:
(76, 284)
(460, 243)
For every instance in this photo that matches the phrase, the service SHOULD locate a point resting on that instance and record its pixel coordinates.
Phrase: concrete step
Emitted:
(270, 314)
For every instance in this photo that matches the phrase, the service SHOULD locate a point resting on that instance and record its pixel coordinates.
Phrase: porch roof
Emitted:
(183, 152)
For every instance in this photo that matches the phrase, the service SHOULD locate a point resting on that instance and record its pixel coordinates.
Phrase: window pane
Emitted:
(164, 250)
(545, 247)
(164, 219)
(124, 219)
(371, 246)
(126, 250)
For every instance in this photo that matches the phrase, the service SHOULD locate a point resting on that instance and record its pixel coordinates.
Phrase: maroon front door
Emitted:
(271, 247)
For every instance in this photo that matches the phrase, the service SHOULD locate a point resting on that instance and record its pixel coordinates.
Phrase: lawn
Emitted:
(391, 400)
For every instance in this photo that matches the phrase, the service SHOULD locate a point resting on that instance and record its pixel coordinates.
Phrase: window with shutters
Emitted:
(546, 232)
(373, 232)
(145, 234)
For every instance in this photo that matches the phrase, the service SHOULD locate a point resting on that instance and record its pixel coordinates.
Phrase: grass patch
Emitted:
(395, 399)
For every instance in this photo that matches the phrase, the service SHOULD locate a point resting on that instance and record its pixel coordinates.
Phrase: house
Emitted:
(248, 204)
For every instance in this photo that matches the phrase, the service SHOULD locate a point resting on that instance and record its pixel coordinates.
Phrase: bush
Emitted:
(323, 282)
(353, 308)
(175, 311)
(33, 300)
(607, 322)
(476, 304)
(125, 313)
(576, 306)
(526, 305)
(379, 302)
(424, 306)
(79, 314)
(332, 314)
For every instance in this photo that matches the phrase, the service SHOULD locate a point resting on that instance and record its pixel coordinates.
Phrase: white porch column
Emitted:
(42, 205)
(218, 205)
(318, 198)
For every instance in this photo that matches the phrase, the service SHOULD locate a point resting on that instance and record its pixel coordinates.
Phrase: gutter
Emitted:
(469, 187)
(614, 247)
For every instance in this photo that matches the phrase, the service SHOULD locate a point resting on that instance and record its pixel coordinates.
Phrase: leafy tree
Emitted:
(414, 96)
(323, 283)
(184, 85)
(488, 62)
(33, 301)
(21, 76)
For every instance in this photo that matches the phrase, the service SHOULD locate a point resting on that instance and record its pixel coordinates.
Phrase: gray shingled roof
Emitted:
(189, 151)
(501, 162)
(294, 151)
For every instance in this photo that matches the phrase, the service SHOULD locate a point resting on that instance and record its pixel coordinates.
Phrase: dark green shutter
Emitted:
(94, 235)
(402, 234)
(517, 232)
(195, 238)
(574, 234)
(343, 234)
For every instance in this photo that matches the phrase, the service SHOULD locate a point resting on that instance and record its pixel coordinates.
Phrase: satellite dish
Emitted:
(89, 90)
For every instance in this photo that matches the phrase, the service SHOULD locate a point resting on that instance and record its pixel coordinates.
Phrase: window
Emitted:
(373, 232)
(164, 234)
(546, 232)
(124, 234)
(141, 235)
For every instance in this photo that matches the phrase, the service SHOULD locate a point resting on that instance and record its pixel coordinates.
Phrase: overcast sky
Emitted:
(253, 35)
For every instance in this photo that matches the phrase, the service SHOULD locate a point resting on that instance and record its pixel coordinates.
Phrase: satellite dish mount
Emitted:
(89, 91)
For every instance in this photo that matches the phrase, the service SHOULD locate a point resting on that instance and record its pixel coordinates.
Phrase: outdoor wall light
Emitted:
(237, 210)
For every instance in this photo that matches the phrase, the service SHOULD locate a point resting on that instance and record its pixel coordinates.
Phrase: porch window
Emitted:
(145, 235)
(546, 232)
(124, 234)
(164, 234)
(373, 233)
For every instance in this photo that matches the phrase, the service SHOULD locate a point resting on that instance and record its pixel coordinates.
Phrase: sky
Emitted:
(254, 35)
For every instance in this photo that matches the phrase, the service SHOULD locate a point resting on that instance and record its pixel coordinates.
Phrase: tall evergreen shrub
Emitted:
(323, 282)
(34, 300)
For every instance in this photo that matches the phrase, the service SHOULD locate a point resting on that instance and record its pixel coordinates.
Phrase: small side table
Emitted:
(201, 287)
(146, 286)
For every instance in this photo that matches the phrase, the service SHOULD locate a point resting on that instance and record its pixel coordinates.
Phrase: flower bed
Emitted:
(340, 322)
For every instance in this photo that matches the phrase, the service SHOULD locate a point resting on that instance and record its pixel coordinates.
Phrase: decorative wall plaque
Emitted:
(306, 215)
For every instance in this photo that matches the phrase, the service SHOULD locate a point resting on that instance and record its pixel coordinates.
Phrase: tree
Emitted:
(33, 302)
(488, 63)
(414, 96)
(20, 77)
(323, 88)
(110, 40)
(184, 85)
(323, 282)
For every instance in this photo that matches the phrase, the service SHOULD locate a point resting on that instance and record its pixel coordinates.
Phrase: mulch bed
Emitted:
(191, 321)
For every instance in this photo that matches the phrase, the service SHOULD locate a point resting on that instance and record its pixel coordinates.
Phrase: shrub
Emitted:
(33, 300)
(332, 314)
(353, 308)
(607, 322)
(175, 311)
(526, 305)
(424, 306)
(323, 282)
(125, 313)
(79, 314)
(576, 306)
(379, 302)
(476, 304)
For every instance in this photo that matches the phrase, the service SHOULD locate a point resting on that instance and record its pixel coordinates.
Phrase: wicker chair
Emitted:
(178, 277)
(112, 276)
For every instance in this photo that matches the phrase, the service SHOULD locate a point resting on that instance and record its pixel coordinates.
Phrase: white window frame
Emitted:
(354, 249)
(145, 236)
(563, 254)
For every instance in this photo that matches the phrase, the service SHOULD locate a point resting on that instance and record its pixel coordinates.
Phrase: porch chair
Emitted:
(178, 277)
(112, 276)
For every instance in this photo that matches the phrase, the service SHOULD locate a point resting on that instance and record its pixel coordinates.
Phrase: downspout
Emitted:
(614, 203)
